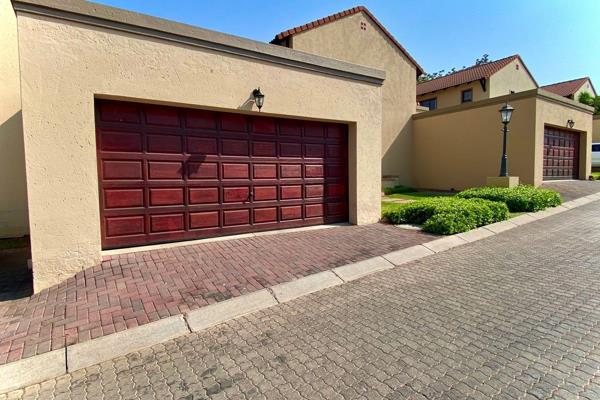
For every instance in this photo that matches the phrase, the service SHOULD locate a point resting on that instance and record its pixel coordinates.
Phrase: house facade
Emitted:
(356, 36)
(138, 130)
(573, 88)
(479, 82)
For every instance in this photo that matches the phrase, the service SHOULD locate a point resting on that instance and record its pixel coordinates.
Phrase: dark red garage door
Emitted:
(561, 154)
(169, 174)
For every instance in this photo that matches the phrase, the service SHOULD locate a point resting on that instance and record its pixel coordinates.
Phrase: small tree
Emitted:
(587, 99)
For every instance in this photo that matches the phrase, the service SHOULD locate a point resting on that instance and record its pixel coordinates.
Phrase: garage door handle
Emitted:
(250, 195)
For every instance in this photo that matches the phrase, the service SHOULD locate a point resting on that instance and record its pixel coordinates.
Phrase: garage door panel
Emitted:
(166, 196)
(126, 225)
(291, 171)
(205, 219)
(198, 145)
(262, 215)
(265, 171)
(119, 112)
(123, 198)
(164, 144)
(170, 174)
(165, 170)
(115, 169)
(290, 128)
(231, 147)
(164, 116)
(200, 119)
(167, 223)
(236, 217)
(290, 150)
(122, 141)
(236, 171)
(202, 170)
(314, 129)
(208, 195)
(236, 194)
(263, 125)
(264, 149)
(234, 123)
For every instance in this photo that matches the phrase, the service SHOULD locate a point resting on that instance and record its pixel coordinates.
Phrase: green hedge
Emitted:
(448, 215)
(519, 199)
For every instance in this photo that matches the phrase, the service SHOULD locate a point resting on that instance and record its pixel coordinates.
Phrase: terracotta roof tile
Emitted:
(334, 17)
(566, 88)
(467, 75)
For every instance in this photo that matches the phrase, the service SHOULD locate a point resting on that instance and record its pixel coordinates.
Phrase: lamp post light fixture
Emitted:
(259, 98)
(506, 114)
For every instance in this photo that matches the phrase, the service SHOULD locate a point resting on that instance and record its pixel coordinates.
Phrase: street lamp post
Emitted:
(506, 114)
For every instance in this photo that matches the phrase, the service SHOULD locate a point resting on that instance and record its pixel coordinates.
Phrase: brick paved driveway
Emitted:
(571, 190)
(514, 316)
(134, 289)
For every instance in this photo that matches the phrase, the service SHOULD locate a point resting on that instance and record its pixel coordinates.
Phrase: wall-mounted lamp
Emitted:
(259, 98)
(570, 123)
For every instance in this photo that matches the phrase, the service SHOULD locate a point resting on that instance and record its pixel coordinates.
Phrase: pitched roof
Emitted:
(567, 88)
(337, 16)
(467, 75)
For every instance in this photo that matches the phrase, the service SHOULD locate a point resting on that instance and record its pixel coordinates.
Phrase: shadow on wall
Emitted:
(13, 184)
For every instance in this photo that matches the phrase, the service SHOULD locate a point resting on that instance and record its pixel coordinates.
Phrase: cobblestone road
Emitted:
(515, 316)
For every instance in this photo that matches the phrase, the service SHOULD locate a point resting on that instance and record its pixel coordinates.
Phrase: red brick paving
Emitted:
(133, 289)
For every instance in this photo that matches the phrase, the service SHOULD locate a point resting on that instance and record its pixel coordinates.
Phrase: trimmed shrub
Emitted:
(519, 199)
(448, 215)
(397, 189)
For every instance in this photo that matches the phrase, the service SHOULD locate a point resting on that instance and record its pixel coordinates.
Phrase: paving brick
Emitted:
(129, 290)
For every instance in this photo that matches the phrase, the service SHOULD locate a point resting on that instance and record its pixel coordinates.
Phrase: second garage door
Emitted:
(169, 174)
(561, 154)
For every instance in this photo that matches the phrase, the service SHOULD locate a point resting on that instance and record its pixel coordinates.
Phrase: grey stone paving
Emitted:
(514, 316)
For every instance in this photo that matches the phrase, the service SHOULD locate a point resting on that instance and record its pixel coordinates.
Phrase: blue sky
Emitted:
(558, 39)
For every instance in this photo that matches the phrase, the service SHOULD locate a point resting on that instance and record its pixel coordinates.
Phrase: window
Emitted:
(466, 96)
(596, 148)
(431, 103)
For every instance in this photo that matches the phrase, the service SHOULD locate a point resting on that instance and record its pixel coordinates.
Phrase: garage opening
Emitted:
(170, 174)
(561, 154)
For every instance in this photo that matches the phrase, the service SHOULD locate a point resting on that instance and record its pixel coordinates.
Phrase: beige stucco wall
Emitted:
(501, 83)
(345, 40)
(58, 117)
(452, 96)
(513, 77)
(13, 193)
(596, 129)
(459, 147)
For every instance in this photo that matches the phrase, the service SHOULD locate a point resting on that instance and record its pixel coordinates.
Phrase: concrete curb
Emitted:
(309, 284)
(29, 371)
(85, 354)
(407, 255)
(217, 313)
(445, 243)
(50, 365)
(357, 270)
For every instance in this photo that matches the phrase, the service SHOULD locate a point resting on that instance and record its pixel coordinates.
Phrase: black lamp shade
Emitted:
(259, 98)
(506, 113)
